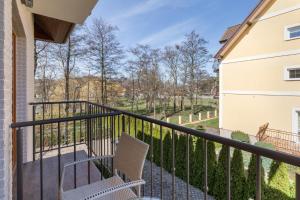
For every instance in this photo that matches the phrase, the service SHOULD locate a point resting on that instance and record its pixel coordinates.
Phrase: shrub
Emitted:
(156, 151)
(167, 148)
(219, 190)
(251, 181)
(198, 165)
(279, 178)
(200, 128)
(240, 136)
(198, 170)
(271, 193)
(211, 165)
(181, 156)
(238, 179)
(265, 145)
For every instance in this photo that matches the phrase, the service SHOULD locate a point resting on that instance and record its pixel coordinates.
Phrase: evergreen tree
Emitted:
(156, 152)
(211, 165)
(181, 157)
(238, 179)
(167, 147)
(175, 153)
(198, 165)
(251, 181)
(219, 190)
(279, 178)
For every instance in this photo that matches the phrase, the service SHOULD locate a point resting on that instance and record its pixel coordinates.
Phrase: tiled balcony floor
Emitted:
(31, 176)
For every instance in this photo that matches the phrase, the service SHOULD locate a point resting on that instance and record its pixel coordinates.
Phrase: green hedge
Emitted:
(243, 187)
(265, 145)
(240, 136)
(198, 165)
(278, 180)
(219, 190)
(239, 189)
(251, 181)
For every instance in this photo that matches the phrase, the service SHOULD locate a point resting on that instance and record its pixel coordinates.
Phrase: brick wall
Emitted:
(22, 104)
(5, 98)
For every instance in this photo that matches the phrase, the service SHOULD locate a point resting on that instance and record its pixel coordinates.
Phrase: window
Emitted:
(292, 32)
(292, 73)
(298, 115)
(296, 125)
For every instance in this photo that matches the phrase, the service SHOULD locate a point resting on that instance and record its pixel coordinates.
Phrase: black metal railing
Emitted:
(101, 126)
(80, 129)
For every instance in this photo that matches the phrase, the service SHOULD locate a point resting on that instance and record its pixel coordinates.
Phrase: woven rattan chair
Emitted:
(129, 159)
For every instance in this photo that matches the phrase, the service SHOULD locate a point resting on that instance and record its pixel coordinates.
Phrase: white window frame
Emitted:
(286, 74)
(287, 33)
(295, 125)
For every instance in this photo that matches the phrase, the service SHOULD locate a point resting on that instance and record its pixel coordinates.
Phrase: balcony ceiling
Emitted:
(55, 19)
(73, 11)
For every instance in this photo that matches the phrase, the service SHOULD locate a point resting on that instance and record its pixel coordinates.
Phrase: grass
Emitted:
(213, 123)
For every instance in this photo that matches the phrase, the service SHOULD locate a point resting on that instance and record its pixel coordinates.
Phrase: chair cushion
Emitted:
(82, 192)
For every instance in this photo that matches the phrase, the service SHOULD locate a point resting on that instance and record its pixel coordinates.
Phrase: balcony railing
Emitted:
(60, 126)
(282, 140)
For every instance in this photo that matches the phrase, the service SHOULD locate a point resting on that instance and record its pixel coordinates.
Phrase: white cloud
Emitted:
(173, 34)
(150, 5)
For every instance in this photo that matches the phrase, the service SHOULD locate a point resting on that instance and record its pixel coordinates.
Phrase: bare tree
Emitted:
(40, 48)
(171, 58)
(132, 71)
(45, 72)
(146, 62)
(66, 57)
(194, 58)
(105, 52)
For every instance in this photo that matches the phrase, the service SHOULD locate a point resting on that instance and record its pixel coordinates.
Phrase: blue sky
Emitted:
(165, 22)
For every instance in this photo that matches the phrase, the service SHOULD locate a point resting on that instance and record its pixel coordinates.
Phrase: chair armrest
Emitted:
(88, 159)
(78, 162)
(115, 188)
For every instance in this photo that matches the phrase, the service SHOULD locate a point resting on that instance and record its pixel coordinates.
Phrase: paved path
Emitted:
(180, 185)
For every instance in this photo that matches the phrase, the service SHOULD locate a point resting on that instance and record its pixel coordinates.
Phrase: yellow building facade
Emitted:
(260, 70)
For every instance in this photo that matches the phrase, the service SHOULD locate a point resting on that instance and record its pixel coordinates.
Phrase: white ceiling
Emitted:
(74, 11)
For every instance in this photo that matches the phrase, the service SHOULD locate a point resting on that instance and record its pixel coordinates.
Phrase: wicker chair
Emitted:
(129, 159)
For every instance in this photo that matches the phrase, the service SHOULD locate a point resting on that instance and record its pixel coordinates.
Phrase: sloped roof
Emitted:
(229, 33)
(260, 8)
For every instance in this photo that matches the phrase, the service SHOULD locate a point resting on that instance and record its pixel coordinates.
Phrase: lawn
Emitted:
(213, 123)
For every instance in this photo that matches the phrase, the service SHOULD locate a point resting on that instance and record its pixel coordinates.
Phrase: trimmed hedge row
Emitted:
(243, 183)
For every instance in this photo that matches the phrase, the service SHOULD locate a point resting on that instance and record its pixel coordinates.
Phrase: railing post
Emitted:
(33, 133)
(19, 164)
(297, 186)
(228, 173)
(123, 123)
(89, 141)
(258, 177)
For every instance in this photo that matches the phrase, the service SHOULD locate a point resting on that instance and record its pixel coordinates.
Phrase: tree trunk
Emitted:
(132, 100)
(67, 87)
(182, 103)
(174, 101)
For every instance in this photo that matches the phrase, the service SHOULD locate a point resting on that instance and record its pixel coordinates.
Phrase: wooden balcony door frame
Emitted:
(14, 101)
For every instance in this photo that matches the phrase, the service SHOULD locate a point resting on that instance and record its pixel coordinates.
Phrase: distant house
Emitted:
(260, 69)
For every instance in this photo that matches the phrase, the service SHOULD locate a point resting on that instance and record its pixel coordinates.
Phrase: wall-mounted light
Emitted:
(28, 3)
